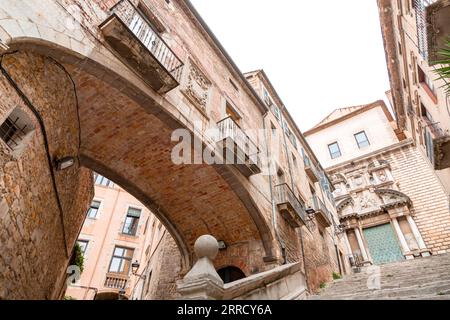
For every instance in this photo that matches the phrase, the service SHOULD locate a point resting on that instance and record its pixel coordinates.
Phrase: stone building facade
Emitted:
(103, 85)
(118, 231)
(391, 204)
(414, 31)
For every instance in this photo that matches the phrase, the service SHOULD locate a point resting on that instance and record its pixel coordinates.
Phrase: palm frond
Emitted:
(444, 70)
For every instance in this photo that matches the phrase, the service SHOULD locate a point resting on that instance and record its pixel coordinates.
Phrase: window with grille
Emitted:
(131, 221)
(16, 130)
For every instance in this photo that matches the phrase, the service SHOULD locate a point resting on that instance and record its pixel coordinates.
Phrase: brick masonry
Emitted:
(100, 111)
(417, 179)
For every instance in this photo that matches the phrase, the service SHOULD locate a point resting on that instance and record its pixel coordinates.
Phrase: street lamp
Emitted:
(134, 268)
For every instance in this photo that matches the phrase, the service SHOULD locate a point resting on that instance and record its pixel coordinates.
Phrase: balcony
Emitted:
(432, 17)
(131, 35)
(116, 281)
(440, 145)
(310, 170)
(238, 149)
(290, 206)
(323, 215)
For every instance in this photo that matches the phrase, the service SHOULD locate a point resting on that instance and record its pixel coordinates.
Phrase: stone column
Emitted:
(418, 236)
(203, 282)
(361, 244)
(401, 238)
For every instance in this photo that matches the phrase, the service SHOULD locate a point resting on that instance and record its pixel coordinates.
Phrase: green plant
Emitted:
(323, 285)
(444, 71)
(78, 258)
(336, 276)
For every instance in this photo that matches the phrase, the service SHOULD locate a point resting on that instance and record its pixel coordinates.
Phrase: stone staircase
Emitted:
(419, 279)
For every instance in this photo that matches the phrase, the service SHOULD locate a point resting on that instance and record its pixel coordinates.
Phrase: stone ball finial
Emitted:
(206, 246)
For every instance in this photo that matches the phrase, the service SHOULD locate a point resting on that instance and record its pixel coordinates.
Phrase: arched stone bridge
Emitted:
(106, 82)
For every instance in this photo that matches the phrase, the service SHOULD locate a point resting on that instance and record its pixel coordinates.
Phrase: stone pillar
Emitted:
(203, 282)
(401, 237)
(423, 248)
(361, 244)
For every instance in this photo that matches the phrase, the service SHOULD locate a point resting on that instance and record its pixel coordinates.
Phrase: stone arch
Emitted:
(392, 197)
(121, 83)
(230, 274)
(348, 201)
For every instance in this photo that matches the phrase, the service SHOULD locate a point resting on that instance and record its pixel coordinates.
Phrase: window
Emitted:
(334, 150)
(83, 245)
(267, 99)
(274, 130)
(276, 112)
(424, 112)
(93, 209)
(294, 162)
(131, 221)
(121, 260)
(102, 181)
(16, 130)
(293, 140)
(232, 113)
(361, 139)
(427, 84)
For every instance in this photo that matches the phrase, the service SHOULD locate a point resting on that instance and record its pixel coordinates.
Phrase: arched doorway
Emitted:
(110, 296)
(231, 274)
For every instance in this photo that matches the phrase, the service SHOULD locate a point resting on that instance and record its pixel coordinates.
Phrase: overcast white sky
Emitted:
(319, 55)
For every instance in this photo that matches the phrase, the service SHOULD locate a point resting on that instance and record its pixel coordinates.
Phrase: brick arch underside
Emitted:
(133, 147)
(128, 140)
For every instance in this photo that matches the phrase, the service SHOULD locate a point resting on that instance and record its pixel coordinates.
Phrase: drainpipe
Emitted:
(272, 198)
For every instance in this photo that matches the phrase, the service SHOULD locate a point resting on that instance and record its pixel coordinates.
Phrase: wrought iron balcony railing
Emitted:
(244, 152)
(438, 149)
(288, 202)
(142, 35)
(321, 209)
(426, 38)
(310, 169)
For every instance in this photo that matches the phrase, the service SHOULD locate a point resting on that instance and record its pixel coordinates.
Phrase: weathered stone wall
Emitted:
(165, 269)
(320, 260)
(32, 226)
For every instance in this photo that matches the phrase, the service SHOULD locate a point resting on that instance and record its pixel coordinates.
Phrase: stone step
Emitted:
(425, 278)
(387, 282)
(418, 290)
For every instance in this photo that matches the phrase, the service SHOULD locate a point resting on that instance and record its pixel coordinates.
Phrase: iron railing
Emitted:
(12, 133)
(421, 22)
(139, 25)
(318, 205)
(229, 129)
(285, 195)
(435, 129)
